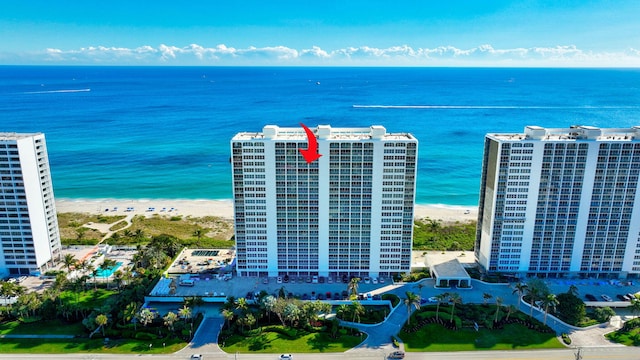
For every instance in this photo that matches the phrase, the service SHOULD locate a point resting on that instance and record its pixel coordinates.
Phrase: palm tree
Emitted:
(498, 305)
(170, 319)
(107, 264)
(357, 309)
(410, 300)
(138, 234)
(420, 285)
(82, 265)
(520, 288)
(440, 298)
(486, 297)
(185, 312)
(146, 316)
(510, 309)
(533, 293)
(69, 260)
(352, 287)
(92, 270)
(342, 311)
(249, 320)
(454, 298)
(117, 277)
(194, 302)
(635, 305)
(268, 303)
(129, 313)
(198, 233)
(549, 300)
(101, 320)
(573, 290)
(291, 313)
(228, 315)
(241, 305)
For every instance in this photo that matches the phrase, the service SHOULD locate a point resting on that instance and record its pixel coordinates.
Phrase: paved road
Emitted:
(598, 353)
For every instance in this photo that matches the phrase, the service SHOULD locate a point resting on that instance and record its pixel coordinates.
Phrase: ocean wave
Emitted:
(496, 107)
(57, 91)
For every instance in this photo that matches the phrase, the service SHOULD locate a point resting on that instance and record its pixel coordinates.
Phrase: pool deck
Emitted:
(188, 263)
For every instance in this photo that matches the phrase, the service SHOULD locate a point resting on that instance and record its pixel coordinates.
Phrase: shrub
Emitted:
(395, 341)
(393, 298)
(145, 336)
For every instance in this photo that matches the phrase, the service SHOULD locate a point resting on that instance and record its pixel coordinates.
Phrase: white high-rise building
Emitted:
(561, 202)
(29, 235)
(349, 213)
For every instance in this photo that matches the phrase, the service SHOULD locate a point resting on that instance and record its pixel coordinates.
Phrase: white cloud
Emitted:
(195, 54)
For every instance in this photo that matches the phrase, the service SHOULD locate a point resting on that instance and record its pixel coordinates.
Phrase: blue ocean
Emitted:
(164, 132)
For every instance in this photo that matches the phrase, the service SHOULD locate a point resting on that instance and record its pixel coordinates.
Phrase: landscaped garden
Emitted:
(629, 334)
(279, 324)
(450, 325)
(99, 316)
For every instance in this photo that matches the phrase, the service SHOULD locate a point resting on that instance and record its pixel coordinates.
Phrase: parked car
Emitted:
(197, 356)
(590, 297)
(396, 355)
(279, 280)
(314, 279)
(622, 297)
(367, 280)
(631, 296)
(606, 297)
(374, 280)
(286, 357)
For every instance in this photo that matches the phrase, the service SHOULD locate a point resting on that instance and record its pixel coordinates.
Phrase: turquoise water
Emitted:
(100, 272)
(164, 132)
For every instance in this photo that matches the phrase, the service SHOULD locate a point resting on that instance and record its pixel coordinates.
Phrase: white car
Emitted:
(286, 357)
(606, 297)
(279, 280)
(196, 356)
(374, 280)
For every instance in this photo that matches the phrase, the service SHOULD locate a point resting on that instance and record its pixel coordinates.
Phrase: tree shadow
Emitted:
(318, 342)
(257, 343)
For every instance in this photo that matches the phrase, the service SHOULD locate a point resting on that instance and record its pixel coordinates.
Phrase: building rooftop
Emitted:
(325, 132)
(4, 136)
(573, 133)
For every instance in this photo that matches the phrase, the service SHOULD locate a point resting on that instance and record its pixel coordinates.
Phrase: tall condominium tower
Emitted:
(561, 202)
(349, 213)
(29, 236)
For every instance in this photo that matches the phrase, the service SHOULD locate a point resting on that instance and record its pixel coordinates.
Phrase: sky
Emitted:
(529, 33)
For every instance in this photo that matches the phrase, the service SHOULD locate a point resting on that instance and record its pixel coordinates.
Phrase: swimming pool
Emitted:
(100, 272)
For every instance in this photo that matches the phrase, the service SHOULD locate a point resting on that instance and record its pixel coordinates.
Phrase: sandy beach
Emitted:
(222, 208)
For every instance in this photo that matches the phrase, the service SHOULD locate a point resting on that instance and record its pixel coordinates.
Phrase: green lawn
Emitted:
(41, 328)
(434, 337)
(629, 335)
(90, 298)
(272, 342)
(68, 346)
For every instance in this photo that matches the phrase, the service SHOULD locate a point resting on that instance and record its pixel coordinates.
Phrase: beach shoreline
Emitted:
(224, 208)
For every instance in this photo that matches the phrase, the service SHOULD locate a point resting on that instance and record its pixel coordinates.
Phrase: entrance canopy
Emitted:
(448, 272)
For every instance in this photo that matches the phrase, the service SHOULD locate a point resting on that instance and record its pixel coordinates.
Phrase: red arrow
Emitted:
(310, 154)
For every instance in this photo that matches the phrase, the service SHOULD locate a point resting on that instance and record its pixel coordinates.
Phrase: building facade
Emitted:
(29, 235)
(349, 213)
(561, 203)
